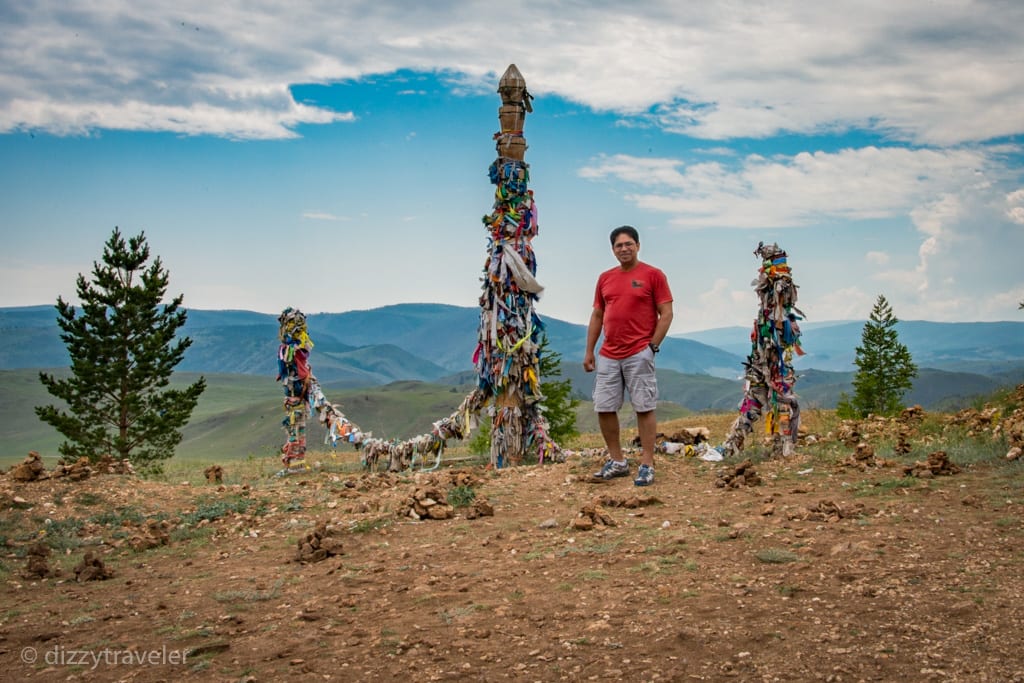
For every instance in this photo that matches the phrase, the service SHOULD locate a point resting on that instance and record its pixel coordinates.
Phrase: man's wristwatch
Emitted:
(654, 347)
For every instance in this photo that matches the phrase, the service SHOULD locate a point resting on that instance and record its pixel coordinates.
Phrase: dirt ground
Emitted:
(826, 569)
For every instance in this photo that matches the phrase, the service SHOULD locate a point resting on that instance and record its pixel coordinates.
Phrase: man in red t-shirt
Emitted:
(633, 308)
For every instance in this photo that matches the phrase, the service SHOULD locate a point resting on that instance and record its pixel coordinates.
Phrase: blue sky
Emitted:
(333, 156)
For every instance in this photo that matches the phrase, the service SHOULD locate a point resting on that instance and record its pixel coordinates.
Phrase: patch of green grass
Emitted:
(212, 509)
(594, 575)
(776, 555)
(62, 534)
(971, 451)
(363, 526)
(118, 517)
(88, 498)
(187, 533)
(461, 496)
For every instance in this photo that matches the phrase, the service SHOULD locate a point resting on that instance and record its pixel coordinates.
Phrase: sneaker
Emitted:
(644, 476)
(613, 468)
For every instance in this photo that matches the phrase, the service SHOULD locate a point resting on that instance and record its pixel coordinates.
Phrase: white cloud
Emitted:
(877, 258)
(1015, 206)
(934, 73)
(321, 216)
(847, 303)
(852, 184)
(717, 306)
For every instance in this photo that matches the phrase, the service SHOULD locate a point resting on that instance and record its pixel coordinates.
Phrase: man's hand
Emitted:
(588, 362)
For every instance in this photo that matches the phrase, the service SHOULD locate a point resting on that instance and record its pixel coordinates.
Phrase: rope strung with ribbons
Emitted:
(302, 393)
(770, 379)
(304, 398)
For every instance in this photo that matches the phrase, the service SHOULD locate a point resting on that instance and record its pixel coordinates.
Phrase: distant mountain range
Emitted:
(983, 348)
(359, 348)
(434, 343)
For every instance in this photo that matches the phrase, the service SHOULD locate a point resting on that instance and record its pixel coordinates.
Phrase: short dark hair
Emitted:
(629, 230)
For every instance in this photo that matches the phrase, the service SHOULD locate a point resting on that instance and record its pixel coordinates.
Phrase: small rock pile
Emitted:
(938, 464)
(319, 544)
(903, 435)
(864, 457)
(214, 474)
(735, 476)
(426, 502)
(690, 435)
(91, 568)
(155, 534)
(79, 470)
(30, 469)
(479, 508)
(38, 565)
(448, 479)
(590, 516)
(975, 420)
(914, 413)
(849, 433)
(828, 511)
(629, 502)
(108, 465)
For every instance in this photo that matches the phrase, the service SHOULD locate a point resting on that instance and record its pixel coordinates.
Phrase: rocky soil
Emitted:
(855, 560)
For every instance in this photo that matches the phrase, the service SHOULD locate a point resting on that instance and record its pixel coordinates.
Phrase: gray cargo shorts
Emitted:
(634, 374)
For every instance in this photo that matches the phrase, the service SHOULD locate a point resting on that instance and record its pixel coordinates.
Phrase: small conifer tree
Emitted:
(885, 369)
(123, 351)
(559, 402)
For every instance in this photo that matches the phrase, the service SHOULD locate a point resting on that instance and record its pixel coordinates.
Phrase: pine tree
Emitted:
(559, 403)
(123, 351)
(885, 369)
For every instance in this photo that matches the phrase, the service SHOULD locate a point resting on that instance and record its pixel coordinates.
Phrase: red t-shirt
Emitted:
(630, 301)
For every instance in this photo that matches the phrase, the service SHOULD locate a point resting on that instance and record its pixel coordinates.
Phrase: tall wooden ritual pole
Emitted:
(770, 386)
(507, 352)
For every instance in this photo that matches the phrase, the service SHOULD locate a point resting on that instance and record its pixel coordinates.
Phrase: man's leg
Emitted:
(616, 465)
(609, 423)
(647, 425)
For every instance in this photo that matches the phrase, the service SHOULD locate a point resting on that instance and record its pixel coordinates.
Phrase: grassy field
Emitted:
(239, 416)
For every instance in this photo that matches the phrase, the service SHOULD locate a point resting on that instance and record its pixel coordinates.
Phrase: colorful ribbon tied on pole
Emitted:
(302, 393)
(769, 377)
(508, 340)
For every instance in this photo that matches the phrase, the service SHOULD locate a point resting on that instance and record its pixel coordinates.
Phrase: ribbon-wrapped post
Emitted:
(508, 342)
(770, 379)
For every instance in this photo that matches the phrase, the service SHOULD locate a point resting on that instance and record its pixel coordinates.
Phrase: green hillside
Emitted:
(237, 416)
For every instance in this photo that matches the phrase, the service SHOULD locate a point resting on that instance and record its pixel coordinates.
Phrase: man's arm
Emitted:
(664, 323)
(593, 332)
